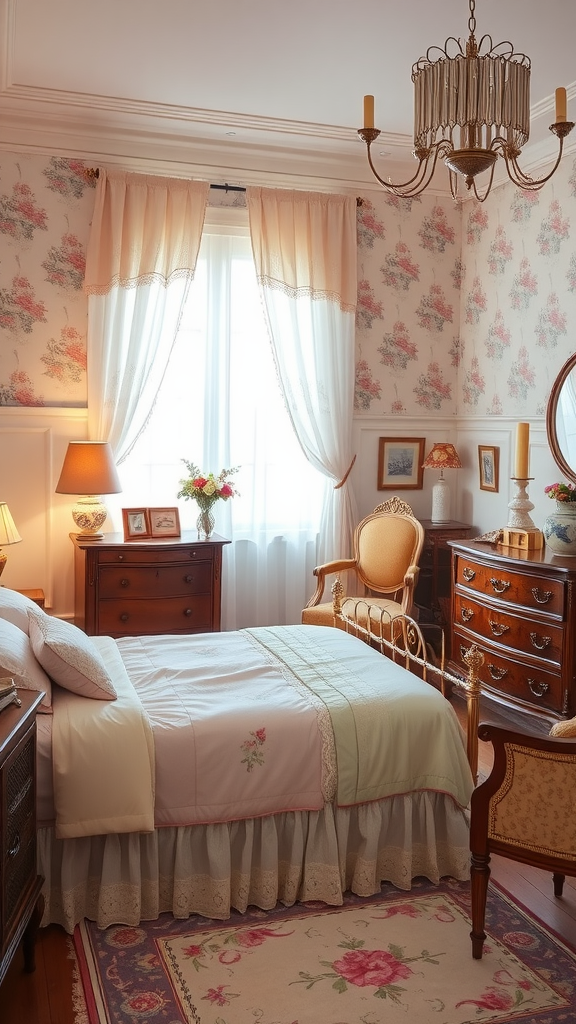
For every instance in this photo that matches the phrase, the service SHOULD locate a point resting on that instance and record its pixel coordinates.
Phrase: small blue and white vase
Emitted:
(560, 529)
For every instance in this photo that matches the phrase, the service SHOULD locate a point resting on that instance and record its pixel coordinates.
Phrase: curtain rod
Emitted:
(93, 172)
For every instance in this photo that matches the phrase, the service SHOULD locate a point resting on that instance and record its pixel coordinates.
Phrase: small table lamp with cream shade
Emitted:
(441, 456)
(8, 533)
(89, 470)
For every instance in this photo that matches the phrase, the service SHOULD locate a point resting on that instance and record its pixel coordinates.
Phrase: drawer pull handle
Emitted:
(540, 642)
(13, 850)
(124, 583)
(497, 673)
(120, 558)
(188, 579)
(468, 574)
(499, 586)
(124, 617)
(466, 614)
(541, 596)
(538, 689)
(187, 611)
(192, 553)
(498, 628)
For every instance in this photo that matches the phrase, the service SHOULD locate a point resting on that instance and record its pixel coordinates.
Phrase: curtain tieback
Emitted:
(345, 477)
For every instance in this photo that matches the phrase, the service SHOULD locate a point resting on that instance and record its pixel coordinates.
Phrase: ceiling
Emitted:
(251, 91)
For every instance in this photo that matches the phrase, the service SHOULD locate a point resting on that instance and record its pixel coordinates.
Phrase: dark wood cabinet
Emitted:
(20, 885)
(434, 588)
(519, 608)
(138, 588)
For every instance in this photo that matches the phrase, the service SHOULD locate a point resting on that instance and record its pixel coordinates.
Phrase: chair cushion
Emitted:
(320, 615)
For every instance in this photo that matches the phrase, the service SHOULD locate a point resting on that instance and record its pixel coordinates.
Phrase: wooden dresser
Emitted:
(20, 885)
(520, 610)
(138, 588)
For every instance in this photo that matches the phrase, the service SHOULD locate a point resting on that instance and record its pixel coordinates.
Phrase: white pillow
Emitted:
(17, 660)
(14, 607)
(69, 656)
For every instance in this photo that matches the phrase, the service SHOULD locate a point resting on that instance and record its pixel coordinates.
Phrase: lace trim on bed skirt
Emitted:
(210, 870)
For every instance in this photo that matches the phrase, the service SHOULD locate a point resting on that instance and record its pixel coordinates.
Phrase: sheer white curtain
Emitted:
(220, 405)
(304, 247)
(141, 257)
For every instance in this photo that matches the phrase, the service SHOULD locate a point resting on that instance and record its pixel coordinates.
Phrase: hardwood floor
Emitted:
(45, 997)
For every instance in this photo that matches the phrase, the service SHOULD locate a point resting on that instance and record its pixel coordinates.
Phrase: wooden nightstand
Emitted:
(434, 588)
(35, 595)
(20, 886)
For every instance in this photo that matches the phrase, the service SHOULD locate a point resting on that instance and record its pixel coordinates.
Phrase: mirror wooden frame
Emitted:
(551, 411)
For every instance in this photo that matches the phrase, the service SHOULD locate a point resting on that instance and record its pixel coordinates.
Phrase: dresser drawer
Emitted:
(18, 830)
(155, 581)
(544, 594)
(510, 678)
(133, 617)
(543, 639)
(125, 555)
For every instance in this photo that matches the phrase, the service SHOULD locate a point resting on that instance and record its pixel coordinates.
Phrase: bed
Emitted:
(204, 772)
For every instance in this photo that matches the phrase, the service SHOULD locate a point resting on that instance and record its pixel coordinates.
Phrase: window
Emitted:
(220, 405)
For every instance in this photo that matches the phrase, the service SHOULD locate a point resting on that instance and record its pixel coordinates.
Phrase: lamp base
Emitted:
(3, 560)
(89, 513)
(440, 502)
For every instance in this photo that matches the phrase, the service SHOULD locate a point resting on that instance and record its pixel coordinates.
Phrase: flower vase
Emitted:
(560, 529)
(205, 524)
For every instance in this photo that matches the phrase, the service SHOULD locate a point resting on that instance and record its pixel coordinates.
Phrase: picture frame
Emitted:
(400, 463)
(164, 522)
(489, 467)
(136, 523)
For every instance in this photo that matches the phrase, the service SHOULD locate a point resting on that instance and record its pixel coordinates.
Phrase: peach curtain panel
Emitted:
(305, 243)
(144, 228)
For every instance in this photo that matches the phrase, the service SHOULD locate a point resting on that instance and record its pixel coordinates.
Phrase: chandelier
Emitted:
(470, 106)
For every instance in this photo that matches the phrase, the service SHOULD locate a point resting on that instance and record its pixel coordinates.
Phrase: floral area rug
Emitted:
(398, 956)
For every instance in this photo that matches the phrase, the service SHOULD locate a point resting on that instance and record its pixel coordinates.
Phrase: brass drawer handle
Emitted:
(499, 586)
(538, 689)
(540, 642)
(498, 628)
(468, 574)
(541, 596)
(187, 611)
(124, 617)
(497, 673)
(124, 583)
(192, 553)
(466, 614)
(14, 849)
(188, 579)
(120, 558)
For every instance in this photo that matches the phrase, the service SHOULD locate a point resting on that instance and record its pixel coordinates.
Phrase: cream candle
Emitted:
(522, 439)
(560, 105)
(368, 111)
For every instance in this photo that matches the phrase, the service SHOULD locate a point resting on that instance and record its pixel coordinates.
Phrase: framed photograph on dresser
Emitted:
(488, 460)
(164, 522)
(136, 523)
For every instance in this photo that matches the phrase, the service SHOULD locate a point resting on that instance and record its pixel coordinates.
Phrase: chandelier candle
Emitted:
(369, 111)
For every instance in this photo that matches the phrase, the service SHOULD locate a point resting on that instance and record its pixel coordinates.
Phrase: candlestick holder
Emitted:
(520, 531)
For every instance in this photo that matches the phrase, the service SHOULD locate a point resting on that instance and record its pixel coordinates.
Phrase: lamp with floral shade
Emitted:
(442, 455)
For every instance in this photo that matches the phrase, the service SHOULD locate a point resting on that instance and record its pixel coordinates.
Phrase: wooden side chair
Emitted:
(526, 810)
(387, 547)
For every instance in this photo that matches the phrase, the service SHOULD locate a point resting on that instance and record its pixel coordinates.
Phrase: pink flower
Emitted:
(193, 951)
(365, 967)
(216, 995)
(490, 1000)
(226, 491)
(229, 956)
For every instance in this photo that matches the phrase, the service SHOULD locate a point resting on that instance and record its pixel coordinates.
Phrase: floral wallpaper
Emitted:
(463, 309)
(45, 210)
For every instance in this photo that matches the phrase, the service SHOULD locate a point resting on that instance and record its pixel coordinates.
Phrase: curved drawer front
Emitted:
(540, 593)
(146, 617)
(517, 632)
(159, 581)
(512, 678)
(125, 555)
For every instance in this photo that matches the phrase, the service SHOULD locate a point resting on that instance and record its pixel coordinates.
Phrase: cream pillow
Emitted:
(69, 656)
(17, 660)
(14, 607)
(565, 728)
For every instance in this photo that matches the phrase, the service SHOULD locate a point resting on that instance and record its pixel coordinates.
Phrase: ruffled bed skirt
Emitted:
(210, 870)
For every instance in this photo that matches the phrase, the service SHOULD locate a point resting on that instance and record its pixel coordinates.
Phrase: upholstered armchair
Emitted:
(387, 547)
(526, 810)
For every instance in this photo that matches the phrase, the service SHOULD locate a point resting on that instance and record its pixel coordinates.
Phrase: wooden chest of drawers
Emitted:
(140, 588)
(520, 611)
(20, 885)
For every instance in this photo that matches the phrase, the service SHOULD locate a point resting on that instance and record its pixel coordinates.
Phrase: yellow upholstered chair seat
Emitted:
(384, 569)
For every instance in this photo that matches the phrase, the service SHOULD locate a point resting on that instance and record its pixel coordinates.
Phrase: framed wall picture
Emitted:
(400, 463)
(164, 522)
(136, 523)
(488, 460)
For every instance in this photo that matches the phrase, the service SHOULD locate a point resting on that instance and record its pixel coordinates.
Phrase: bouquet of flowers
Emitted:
(205, 488)
(561, 492)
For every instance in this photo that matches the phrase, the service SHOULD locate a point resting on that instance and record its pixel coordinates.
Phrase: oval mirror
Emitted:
(561, 419)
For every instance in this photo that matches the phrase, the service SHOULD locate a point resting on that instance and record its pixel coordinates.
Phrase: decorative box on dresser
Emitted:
(519, 608)
(137, 588)
(20, 885)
